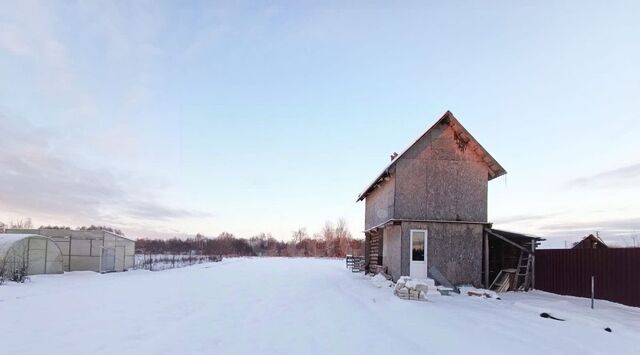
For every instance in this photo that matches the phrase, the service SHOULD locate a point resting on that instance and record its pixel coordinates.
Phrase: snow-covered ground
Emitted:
(291, 306)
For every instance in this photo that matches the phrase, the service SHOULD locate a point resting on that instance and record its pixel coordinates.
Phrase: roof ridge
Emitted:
(448, 115)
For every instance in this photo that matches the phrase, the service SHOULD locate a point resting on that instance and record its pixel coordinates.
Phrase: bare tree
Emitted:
(331, 241)
(299, 235)
(22, 266)
(14, 265)
(342, 231)
(21, 224)
(328, 233)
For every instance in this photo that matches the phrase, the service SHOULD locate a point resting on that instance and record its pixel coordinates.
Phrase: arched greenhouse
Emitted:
(29, 254)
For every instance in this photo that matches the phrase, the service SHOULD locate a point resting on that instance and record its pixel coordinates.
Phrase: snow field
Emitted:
(291, 306)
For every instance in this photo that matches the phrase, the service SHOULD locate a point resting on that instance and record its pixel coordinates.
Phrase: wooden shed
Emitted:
(426, 211)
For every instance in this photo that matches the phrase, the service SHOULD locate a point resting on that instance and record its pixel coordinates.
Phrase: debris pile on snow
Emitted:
(415, 289)
(478, 292)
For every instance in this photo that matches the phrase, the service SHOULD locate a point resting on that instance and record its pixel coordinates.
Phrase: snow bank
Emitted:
(381, 281)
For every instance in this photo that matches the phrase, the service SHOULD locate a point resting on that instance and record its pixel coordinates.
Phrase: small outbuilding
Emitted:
(30, 254)
(590, 242)
(89, 250)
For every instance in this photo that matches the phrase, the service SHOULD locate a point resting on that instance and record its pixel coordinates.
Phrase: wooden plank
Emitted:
(486, 260)
(508, 241)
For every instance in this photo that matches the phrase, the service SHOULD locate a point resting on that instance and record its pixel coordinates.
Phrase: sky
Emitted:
(169, 118)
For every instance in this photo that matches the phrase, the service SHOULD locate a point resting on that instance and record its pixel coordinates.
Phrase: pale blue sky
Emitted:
(268, 116)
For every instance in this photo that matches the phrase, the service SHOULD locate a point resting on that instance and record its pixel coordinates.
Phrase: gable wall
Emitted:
(435, 180)
(379, 204)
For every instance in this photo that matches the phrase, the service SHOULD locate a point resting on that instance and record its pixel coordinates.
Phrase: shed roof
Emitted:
(118, 235)
(495, 169)
(516, 236)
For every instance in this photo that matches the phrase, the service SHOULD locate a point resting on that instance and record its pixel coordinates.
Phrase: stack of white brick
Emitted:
(415, 289)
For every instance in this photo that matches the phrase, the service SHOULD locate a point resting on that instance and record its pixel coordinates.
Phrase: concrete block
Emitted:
(422, 287)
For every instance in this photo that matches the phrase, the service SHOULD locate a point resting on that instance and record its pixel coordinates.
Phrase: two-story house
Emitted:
(428, 208)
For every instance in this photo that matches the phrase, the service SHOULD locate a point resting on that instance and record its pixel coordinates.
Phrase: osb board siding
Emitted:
(438, 180)
(454, 248)
(411, 189)
(380, 204)
(456, 190)
(391, 251)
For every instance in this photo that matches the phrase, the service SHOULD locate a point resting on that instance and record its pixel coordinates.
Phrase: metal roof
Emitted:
(515, 236)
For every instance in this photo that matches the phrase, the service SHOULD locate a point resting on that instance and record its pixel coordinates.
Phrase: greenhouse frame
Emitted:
(29, 254)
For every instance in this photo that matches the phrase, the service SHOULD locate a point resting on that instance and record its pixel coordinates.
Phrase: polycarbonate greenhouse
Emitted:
(35, 254)
(89, 250)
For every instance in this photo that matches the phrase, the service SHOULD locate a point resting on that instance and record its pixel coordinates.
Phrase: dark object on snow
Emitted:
(435, 274)
(547, 315)
(607, 329)
(477, 294)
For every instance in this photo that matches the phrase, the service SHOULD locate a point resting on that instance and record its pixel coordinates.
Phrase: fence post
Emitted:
(592, 290)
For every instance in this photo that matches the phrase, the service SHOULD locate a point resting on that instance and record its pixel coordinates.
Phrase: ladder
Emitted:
(502, 282)
(523, 272)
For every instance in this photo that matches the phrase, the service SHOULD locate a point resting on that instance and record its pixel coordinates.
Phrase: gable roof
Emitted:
(588, 241)
(569, 242)
(495, 169)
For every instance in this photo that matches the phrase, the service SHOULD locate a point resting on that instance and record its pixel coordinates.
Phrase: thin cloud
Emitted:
(522, 218)
(35, 178)
(145, 209)
(616, 177)
(12, 41)
(617, 224)
(610, 227)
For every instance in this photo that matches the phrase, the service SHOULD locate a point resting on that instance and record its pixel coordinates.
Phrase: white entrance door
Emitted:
(418, 254)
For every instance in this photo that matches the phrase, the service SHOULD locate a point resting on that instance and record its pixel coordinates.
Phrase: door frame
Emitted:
(102, 257)
(426, 237)
(120, 267)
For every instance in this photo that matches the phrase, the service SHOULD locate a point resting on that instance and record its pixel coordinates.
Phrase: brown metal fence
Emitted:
(568, 272)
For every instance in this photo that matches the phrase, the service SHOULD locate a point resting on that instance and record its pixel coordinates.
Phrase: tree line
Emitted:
(331, 241)
(27, 223)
